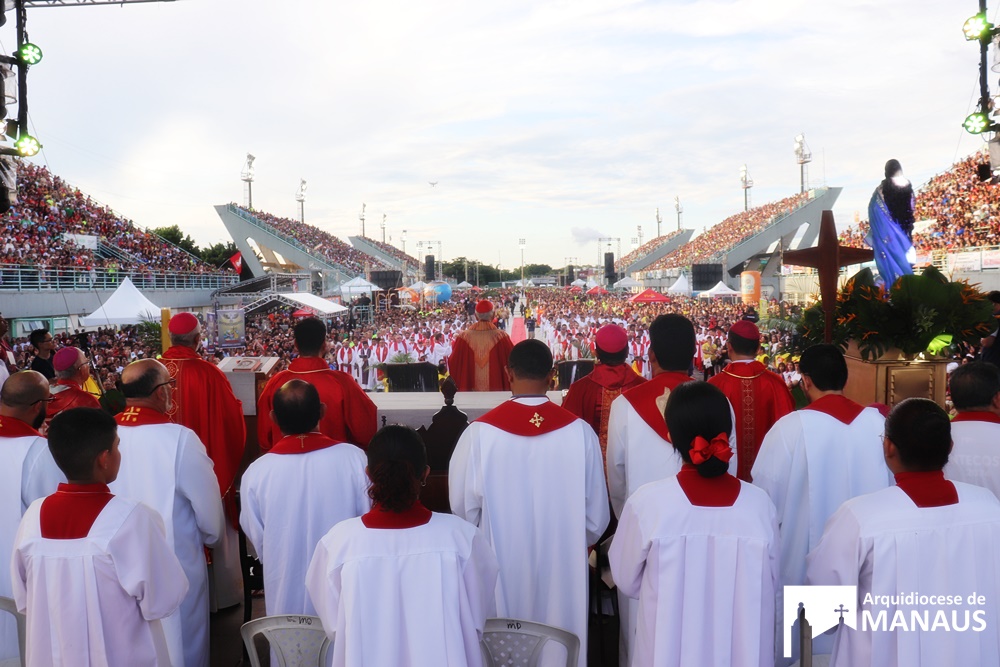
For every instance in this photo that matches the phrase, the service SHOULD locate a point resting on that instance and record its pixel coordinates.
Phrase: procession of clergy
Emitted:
(722, 492)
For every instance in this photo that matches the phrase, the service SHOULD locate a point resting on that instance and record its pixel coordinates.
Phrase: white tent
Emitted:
(316, 303)
(720, 289)
(464, 285)
(126, 306)
(680, 286)
(357, 286)
(627, 282)
(418, 286)
(578, 282)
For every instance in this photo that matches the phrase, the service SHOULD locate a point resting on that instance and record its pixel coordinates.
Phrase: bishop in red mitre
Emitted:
(72, 370)
(479, 354)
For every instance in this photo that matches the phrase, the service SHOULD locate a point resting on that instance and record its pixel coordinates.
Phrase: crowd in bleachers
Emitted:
(729, 233)
(393, 251)
(314, 240)
(643, 250)
(48, 207)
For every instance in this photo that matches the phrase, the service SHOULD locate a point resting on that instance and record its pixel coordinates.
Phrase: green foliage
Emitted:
(218, 253)
(148, 333)
(173, 234)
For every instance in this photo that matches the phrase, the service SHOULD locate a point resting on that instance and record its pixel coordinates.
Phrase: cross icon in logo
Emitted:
(841, 610)
(132, 414)
(537, 420)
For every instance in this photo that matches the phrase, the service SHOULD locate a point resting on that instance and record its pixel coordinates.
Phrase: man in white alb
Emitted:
(975, 458)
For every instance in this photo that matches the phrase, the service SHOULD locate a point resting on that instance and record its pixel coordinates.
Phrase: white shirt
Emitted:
(975, 455)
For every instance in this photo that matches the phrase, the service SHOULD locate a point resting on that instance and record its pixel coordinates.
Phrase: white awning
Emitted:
(316, 303)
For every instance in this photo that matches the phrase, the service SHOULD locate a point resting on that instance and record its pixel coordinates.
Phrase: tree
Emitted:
(173, 234)
(219, 253)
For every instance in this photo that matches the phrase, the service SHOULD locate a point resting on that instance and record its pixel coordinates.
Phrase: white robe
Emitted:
(92, 601)
(704, 577)
(412, 596)
(166, 467)
(27, 473)
(975, 456)
(885, 545)
(809, 464)
(329, 486)
(541, 501)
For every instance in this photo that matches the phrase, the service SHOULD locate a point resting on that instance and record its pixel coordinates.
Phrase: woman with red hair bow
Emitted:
(699, 550)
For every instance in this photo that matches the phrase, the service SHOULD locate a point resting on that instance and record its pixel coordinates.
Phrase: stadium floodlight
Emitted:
(977, 123)
(977, 27)
(29, 54)
(27, 145)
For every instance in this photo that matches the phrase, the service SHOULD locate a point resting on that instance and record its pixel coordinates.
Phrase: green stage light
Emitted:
(30, 54)
(976, 28)
(27, 145)
(977, 123)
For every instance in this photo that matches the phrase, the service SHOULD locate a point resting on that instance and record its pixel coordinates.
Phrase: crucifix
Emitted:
(827, 257)
(131, 415)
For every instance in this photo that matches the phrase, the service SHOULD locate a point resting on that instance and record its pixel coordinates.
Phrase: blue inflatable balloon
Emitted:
(437, 291)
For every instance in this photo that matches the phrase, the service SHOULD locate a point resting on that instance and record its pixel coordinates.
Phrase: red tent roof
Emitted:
(649, 296)
(597, 289)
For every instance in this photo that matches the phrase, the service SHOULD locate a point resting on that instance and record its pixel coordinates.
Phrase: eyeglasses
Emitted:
(44, 400)
(171, 382)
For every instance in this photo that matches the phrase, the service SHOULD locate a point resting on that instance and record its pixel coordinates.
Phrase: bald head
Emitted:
(297, 408)
(24, 389)
(140, 378)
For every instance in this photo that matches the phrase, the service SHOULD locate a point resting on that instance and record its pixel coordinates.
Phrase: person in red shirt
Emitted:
(72, 370)
(350, 415)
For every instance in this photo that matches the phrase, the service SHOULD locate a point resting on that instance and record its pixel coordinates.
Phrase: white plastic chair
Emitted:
(8, 605)
(296, 641)
(509, 642)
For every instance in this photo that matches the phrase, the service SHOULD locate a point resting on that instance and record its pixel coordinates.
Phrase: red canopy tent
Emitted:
(597, 289)
(575, 289)
(304, 312)
(649, 296)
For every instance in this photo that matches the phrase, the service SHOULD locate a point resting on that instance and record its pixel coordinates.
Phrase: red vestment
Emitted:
(478, 357)
(203, 400)
(759, 399)
(350, 415)
(590, 397)
(649, 399)
(65, 395)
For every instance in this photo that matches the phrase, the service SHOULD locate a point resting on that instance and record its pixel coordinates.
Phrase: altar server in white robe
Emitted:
(330, 486)
(926, 535)
(975, 458)
(165, 466)
(529, 474)
(639, 449)
(705, 570)
(813, 460)
(401, 585)
(27, 473)
(92, 571)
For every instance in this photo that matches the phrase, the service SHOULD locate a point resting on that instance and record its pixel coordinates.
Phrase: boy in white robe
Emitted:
(26, 474)
(330, 486)
(927, 536)
(92, 571)
(165, 466)
(975, 458)
(528, 473)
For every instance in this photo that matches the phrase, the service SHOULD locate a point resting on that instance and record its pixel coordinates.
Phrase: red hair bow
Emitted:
(702, 449)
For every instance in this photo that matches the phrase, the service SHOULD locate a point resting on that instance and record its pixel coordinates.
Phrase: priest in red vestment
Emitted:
(350, 415)
(479, 354)
(203, 401)
(590, 397)
(758, 396)
(72, 370)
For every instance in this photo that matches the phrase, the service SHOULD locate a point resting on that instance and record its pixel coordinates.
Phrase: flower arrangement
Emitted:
(914, 315)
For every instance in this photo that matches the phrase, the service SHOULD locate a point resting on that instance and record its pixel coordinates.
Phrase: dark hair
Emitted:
(37, 337)
(742, 345)
(825, 366)
(671, 337)
(693, 409)
(974, 385)
(530, 359)
(144, 385)
(310, 334)
(77, 437)
(898, 199)
(612, 359)
(921, 431)
(994, 296)
(397, 459)
(296, 407)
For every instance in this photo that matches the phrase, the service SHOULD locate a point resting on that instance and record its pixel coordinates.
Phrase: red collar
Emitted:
(135, 415)
(528, 420)
(379, 517)
(839, 407)
(308, 365)
(927, 489)
(302, 444)
(12, 427)
(650, 398)
(750, 369)
(68, 383)
(615, 377)
(180, 353)
(721, 491)
(977, 416)
(83, 488)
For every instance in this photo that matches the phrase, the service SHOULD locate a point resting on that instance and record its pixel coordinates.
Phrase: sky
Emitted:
(559, 122)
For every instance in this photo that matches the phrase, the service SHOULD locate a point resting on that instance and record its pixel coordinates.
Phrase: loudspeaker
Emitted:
(388, 279)
(609, 263)
(705, 276)
(569, 274)
(429, 268)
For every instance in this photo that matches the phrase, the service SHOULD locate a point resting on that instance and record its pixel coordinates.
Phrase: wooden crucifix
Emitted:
(827, 256)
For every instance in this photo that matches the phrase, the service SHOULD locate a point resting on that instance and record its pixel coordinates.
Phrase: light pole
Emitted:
(362, 219)
(247, 177)
(658, 221)
(520, 242)
(803, 156)
(383, 228)
(300, 197)
(679, 209)
(746, 182)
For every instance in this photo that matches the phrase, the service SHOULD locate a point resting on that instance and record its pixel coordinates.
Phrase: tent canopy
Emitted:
(578, 282)
(358, 285)
(720, 289)
(649, 296)
(597, 290)
(464, 285)
(315, 303)
(418, 286)
(680, 286)
(126, 306)
(626, 282)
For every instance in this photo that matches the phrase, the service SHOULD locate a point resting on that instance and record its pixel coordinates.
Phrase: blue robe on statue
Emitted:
(894, 254)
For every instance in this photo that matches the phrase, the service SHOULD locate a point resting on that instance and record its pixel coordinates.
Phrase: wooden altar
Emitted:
(892, 378)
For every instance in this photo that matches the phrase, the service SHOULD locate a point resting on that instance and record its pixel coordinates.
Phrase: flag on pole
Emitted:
(237, 262)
